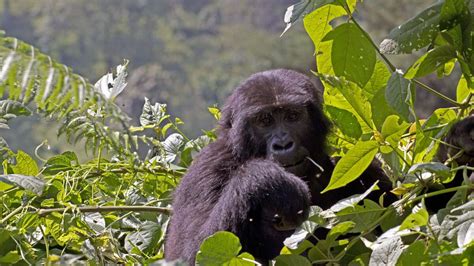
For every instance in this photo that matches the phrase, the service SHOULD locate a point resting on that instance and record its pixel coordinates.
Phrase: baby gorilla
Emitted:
(263, 205)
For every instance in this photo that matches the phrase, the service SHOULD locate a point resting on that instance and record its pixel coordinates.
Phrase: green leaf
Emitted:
(59, 163)
(345, 121)
(416, 219)
(413, 255)
(340, 229)
(432, 167)
(30, 183)
(399, 95)
(462, 90)
(361, 215)
(28, 220)
(392, 131)
(10, 258)
(454, 12)
(430, 61)
(354, 99)
(377, 81)
(352, 54)
(380, 108)
(427, 142)
(414, 34)
(353, 164)
(301, 9)
(317, 22)
(25, 165)
(290, 260)
(221, 248)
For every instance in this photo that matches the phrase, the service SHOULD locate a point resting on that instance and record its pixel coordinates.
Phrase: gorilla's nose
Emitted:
(282, 146)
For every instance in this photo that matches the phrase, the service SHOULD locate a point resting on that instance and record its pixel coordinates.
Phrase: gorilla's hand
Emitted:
(460, 138)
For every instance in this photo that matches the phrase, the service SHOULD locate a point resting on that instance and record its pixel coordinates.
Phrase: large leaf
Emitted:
(222, 248)
(317, 24)
(454, 12)
(301, 9)
(414, 34)
(361, 215)
(392, 131)
(430, 61)
(399, 95)
(352, 54)
(345, 121)
(290, 260)
(353, 100)
(25, 165)
(416, 219)
(353, 164)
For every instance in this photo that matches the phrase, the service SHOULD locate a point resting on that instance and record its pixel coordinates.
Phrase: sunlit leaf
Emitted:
(353, 164)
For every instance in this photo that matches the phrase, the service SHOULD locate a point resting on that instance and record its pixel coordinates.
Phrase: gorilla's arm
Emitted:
(262, 204)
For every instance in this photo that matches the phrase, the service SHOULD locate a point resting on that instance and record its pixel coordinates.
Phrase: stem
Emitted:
(46, 243)
(433, 91)
(13, 213)
(162, 210)
(423, 131)
(440, 192)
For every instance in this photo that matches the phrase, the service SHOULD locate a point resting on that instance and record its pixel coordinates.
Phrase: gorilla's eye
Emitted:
(265, 120)
(292, 116)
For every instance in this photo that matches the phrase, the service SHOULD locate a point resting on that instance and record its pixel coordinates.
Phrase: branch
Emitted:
(167, 211)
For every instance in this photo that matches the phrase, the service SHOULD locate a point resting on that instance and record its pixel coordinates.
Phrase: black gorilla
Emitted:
(272, 129)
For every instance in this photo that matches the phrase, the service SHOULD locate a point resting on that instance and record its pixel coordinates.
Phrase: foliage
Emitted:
(115, 208)
(112, 209)
(372, 106)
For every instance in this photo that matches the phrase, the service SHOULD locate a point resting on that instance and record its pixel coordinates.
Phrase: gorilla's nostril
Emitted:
(288, 145)
(277, 147)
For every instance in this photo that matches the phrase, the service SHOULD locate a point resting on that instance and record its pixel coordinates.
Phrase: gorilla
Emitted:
(267, 166)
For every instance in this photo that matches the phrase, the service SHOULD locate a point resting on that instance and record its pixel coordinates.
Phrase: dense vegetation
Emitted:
(115, 207)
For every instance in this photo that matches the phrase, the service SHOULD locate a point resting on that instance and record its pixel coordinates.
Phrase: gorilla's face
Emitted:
(282, 131)
(276, 115)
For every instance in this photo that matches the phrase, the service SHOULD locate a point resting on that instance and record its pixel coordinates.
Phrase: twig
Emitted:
(162, 210)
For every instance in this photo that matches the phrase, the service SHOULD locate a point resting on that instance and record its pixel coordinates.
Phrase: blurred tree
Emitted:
(188, 54)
